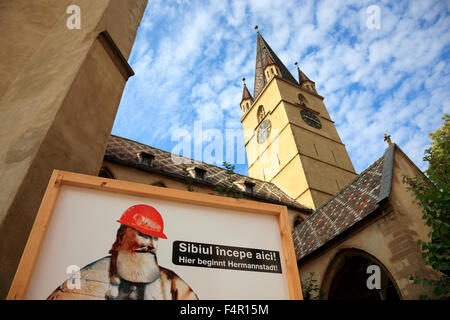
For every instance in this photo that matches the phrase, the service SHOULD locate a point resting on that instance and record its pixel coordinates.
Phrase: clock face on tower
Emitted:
(311, 119)
(264, 131)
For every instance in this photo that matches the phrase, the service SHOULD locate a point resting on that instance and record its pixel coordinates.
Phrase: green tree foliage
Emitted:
(229, 190)
(433, 195)
(189, 179)
(310, 288)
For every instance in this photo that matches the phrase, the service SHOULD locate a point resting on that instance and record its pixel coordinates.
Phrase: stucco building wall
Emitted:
(54, 82)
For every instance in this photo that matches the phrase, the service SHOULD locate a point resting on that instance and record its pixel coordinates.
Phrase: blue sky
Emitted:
(190, 56)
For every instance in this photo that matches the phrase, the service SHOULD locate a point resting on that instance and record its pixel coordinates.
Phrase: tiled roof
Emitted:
(125, 151)
(357, 200)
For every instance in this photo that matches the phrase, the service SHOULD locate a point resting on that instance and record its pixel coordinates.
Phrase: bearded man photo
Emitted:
(132, 271)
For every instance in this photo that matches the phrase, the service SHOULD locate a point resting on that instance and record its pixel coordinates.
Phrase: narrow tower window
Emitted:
(315, 148)
(301, 99)
(261, 113)
(333, 156)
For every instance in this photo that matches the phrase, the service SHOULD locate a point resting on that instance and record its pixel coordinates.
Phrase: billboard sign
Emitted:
(103, 239)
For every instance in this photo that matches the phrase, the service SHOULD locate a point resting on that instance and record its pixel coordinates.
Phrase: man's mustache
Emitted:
(145, 249)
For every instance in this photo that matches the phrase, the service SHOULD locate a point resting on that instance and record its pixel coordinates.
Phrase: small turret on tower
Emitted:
(247, 99)
(304, 81)
(271, 69)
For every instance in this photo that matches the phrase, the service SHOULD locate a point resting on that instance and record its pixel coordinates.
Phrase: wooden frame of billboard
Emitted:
(30, 255)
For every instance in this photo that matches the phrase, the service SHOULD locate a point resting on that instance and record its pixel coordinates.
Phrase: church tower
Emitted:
(290, 138)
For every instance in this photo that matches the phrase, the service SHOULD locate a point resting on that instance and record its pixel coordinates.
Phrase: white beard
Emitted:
(137, 267)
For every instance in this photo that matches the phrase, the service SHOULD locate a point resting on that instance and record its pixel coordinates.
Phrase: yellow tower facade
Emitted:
(290, 138)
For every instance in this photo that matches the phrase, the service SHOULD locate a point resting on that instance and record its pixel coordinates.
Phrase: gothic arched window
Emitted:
(105, 172)
(261, 113)
(301, 99)
(297, 221)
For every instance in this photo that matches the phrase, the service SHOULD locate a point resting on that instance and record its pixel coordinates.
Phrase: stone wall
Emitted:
(59, 93)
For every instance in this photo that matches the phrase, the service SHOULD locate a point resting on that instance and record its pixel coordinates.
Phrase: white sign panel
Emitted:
(110, 245)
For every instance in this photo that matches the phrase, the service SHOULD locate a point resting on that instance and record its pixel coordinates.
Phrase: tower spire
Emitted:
(247, 99)
(269, 61)
(246, 94)
(304, 81)
(301, 76)
(263, 54)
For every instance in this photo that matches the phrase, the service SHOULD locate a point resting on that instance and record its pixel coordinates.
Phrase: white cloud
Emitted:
(190, 56)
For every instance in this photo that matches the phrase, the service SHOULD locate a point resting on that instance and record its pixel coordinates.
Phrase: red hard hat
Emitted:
(145, 219)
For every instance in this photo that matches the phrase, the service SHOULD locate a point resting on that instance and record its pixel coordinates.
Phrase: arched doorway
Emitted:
(105, 172)
(347, 278)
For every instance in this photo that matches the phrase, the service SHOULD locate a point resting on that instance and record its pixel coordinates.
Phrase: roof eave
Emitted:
(383, 196)
(197, 181)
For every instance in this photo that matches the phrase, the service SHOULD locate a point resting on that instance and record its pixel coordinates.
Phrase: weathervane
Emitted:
(256, 28)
